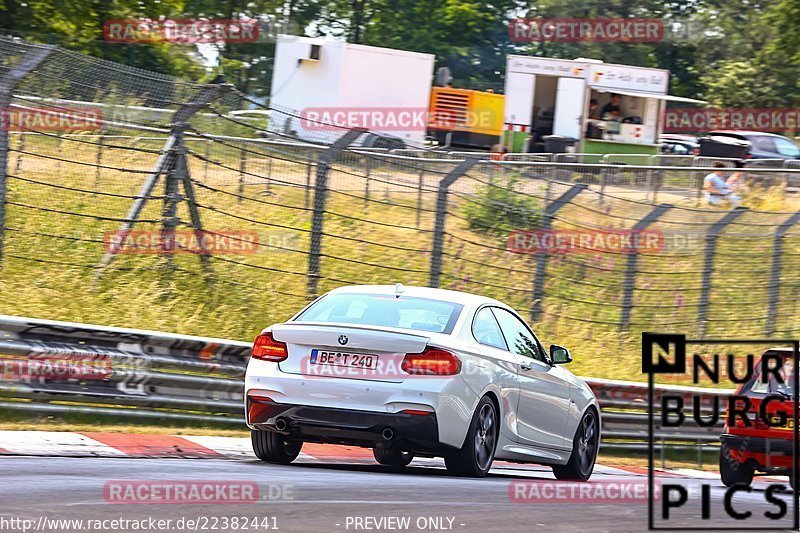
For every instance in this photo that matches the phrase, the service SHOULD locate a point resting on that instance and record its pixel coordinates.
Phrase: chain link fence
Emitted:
(181, 208)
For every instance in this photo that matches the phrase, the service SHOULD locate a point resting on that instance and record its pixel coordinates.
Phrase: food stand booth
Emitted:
(583, 105)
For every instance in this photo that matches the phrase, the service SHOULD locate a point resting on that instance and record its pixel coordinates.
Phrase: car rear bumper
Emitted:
(758, 444)
(770, 454)
(449, 397)
(418, 432)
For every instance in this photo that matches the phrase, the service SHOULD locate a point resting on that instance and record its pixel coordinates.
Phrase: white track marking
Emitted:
(230, 446)
(54, 443)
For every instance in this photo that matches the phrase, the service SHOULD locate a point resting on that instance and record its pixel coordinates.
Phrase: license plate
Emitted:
(352, 360)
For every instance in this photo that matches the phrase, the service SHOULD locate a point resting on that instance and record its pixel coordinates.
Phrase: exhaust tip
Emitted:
(387, 434)
(281, 424)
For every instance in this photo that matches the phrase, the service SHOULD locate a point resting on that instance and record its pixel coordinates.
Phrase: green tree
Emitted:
(78, 25)
(740, 84)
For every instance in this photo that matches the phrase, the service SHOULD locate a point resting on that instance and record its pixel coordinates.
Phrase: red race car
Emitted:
(761, 438)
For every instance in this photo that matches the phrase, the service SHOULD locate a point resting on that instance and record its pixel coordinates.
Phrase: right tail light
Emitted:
(266, 348)
(432, 362)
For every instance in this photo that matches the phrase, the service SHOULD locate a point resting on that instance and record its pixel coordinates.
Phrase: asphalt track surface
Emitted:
(338, 494)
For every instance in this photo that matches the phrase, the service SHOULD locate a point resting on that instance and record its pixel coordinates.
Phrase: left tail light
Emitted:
(267, 348)
(432, 362)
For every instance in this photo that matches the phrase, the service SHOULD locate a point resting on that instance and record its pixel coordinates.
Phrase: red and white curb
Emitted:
(134, 445)
(102, 444)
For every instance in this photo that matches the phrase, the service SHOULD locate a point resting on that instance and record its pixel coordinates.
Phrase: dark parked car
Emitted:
(763, 145)
(679, 145)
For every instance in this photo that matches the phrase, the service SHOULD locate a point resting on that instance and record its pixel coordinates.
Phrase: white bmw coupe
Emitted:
(413, 371)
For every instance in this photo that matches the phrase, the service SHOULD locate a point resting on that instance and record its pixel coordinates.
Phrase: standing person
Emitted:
(611, 108)
(594, 125)
(736, 181)
(717, 190)
(594, 109)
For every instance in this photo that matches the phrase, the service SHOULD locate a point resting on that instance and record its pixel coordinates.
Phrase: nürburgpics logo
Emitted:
(755, 426)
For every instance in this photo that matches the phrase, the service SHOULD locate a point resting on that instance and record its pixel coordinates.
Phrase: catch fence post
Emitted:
(242, 170)
(708, 264)
(419, 189)
(166, 162)
(320, 199)
(368, 173)
(437, 248)
(633, 260)
(541, 258)
(775, 273)
(26, 63)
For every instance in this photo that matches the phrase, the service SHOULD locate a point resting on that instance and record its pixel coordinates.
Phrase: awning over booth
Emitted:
(668, 97)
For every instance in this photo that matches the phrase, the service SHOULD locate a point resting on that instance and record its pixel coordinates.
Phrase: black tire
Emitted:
(273, 447)
(585, 445)
(475, 457)
(733, 472)
(391, 456)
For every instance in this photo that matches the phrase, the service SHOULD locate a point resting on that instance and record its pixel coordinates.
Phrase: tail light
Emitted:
(431, 362)
(267, 348)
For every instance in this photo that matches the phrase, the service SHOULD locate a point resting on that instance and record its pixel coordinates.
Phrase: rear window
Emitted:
(421, 314)
(772, 386)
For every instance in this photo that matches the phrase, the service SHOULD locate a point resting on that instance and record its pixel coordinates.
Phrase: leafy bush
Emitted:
(498, 210)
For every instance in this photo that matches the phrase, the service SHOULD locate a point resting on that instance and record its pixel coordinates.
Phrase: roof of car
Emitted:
(743, 132)
(463, 298)
(678, 137)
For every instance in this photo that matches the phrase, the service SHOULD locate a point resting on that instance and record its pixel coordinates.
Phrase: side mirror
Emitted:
(559, 355)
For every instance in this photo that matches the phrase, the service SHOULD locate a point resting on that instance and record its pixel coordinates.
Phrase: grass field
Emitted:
(60, 212)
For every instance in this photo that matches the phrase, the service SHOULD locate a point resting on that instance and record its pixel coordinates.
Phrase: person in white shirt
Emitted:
(718, 192)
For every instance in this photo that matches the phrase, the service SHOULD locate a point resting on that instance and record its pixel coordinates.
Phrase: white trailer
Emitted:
(565, 99)
(326, 80)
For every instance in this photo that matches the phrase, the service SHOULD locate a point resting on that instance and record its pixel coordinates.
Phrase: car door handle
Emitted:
(525, 366)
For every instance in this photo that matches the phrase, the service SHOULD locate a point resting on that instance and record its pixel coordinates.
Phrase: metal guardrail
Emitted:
(63, 367)
(625, 417)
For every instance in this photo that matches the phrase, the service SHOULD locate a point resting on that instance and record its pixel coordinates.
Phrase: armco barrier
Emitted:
(63, 367)
(52, 367)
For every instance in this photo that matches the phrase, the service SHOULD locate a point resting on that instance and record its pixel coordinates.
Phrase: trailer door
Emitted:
(570, 101)
(519, 98)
